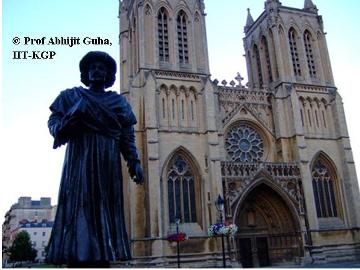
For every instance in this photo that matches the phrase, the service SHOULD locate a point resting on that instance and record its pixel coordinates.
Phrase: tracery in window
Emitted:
(181, 191)
(182, 38)
(324, 190)
(309, 54)
(244, 144)
(147, 10)
(163, 36)
(294, 52)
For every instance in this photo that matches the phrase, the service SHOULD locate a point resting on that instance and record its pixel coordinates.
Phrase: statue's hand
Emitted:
(73, 122)
(136, 173)
(71, 125)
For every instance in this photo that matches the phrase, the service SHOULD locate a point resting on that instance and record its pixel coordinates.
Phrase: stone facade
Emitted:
(30, 215)
(276, 149)
(39, 233)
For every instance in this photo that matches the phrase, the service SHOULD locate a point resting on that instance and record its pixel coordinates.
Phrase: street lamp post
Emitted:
(219, 203)
(177, 242)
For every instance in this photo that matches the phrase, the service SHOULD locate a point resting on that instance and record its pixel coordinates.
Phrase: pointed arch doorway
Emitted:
(269, 232)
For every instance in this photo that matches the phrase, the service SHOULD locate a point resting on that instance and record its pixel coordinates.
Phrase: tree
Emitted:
(21, 249)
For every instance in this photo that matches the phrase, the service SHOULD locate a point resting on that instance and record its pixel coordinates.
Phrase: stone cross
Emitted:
(239, 78)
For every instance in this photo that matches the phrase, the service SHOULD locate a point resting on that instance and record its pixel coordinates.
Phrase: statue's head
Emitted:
(97, 56)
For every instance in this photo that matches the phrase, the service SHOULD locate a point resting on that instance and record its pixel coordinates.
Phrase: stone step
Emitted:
(336, 254)
(171, 262)
(339, 259)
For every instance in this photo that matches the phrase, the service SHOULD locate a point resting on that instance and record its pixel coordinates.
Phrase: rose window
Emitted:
(244, 144)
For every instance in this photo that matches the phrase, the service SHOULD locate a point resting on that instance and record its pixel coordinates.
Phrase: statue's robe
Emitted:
(89, 224)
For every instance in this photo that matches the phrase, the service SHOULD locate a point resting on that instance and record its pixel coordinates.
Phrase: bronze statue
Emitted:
(97, 125)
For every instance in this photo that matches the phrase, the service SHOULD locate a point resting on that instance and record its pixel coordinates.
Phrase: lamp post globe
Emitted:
(219, 204)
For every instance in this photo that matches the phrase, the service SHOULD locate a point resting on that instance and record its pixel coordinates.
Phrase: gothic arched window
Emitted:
(244, 144)
(182, 38)
(265, 46)
(258, 65)
(324, 186)
(309, 54)
(181, 191)
(294, 52)
(163, 35)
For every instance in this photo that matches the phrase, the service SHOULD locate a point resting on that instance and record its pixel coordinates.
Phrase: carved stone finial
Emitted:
(202, 6)
(224, 82)
(309, 6)
(239, 78)
(249, 21)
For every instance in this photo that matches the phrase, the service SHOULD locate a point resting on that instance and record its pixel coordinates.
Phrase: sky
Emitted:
(30, 167)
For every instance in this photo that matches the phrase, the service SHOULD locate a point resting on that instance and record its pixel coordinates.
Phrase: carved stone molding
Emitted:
(238, 177)
(176, 75)
(237, 94)
(232, 99)
(311, 89)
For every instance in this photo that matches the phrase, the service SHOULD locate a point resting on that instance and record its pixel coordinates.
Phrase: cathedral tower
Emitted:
(287, 56)
(277, 149)
(164, 71)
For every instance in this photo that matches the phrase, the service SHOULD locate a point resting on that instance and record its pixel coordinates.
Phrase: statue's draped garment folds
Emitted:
(89, 223)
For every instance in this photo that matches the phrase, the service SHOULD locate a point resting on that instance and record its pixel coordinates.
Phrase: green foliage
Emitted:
(21, 249)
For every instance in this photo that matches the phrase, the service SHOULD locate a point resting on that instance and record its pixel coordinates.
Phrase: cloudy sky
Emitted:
(30, 167)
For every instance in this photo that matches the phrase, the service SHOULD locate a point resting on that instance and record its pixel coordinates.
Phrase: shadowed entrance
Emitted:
(268, 233)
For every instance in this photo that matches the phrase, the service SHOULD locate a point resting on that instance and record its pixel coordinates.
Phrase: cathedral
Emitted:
(276, 149)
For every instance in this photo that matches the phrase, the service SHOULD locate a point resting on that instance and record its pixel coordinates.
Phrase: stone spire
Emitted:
(272, 5)
(249, 21)
(309, 6)
(202, 6)
(273, 1)
(124, 4)
(272, 11)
